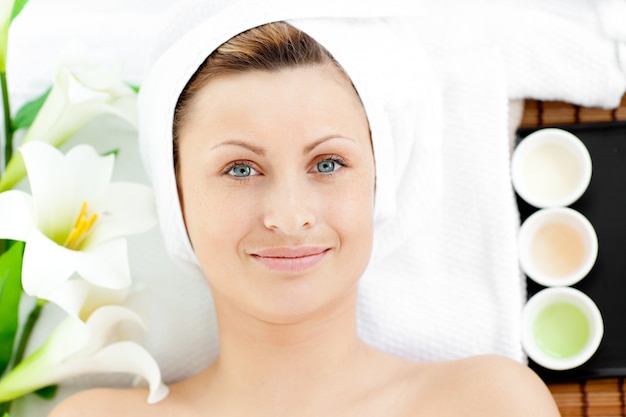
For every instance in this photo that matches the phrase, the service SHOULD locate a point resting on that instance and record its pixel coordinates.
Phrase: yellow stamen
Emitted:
(81, 228)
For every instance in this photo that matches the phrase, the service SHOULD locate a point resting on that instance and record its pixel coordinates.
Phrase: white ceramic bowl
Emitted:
(561, 328)
(551, 168)
(557, 246)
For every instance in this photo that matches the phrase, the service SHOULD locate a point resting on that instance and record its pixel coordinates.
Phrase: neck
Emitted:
(300, 358)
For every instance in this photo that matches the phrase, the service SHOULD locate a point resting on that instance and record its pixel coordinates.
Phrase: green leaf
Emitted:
(114, 152)
(134, 87)
(47, 393)
(27, 113)
(17, 8)
(10, 294)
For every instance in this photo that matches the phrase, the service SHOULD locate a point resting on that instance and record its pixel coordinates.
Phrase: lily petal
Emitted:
(47, 126)
(46, 265)
(106, 264)
(78, 93)
(123, 209)
(80, 299)
(16, 215)
(52, 187)
(70, 296)
(124, 105)
(102, 325)
(76, 59)
(51, 111)
(125, 357)
(77, 115)
(90, 171)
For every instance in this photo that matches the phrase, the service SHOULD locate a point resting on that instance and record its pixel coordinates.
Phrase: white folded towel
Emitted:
(553, 49)
(612, 14)
(453, 288)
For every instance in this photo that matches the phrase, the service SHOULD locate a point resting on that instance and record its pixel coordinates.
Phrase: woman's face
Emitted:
(277, 188)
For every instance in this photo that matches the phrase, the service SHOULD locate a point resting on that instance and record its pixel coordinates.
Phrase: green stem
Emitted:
(8, 128)
(29, 326)
(5, 408)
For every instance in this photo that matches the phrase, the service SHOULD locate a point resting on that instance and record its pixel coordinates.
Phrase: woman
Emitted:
(278, 188)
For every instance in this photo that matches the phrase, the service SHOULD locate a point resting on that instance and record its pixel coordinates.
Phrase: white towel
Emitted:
(612, 14)
(565, 50)
(453, 288)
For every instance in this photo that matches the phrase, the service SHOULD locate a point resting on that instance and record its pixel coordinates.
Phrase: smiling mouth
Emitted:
(291, 259)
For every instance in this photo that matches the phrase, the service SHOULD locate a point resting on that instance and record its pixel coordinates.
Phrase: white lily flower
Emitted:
(81, 92)
(79, 298)
(75, 219)
(77, 348)
(6, 7)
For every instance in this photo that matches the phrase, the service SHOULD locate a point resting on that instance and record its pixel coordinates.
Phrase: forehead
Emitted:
(322, 92)
(250, 78)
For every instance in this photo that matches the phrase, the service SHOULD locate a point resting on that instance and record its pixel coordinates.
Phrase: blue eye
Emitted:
(241, 170)
(329, 165)
(326, 165)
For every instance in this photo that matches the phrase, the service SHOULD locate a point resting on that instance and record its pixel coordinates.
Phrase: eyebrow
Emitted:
(261, 152)
(318, 142)
(234, 142)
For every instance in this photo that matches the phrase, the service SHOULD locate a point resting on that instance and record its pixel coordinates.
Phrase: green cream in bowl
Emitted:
(561, 328)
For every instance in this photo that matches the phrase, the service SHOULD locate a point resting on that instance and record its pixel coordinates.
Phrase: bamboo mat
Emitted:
(544, 113)
(593, 398)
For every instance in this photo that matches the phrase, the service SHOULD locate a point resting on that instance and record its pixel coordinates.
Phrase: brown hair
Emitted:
(269, 47)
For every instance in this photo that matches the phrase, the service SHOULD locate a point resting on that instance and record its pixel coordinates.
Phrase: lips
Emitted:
(291, 259)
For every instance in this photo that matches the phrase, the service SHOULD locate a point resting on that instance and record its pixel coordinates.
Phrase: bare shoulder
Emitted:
(103, 402)
(487, 386)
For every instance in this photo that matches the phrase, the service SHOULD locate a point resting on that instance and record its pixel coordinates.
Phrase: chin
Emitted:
(296, 306)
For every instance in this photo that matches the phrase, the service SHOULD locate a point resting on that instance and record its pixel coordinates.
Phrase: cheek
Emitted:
(212, 219)
(352, 214)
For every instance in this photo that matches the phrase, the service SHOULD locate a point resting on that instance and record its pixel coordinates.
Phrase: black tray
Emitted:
(604, 204)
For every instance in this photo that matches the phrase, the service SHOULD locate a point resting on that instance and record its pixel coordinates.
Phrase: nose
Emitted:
(289, 206)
